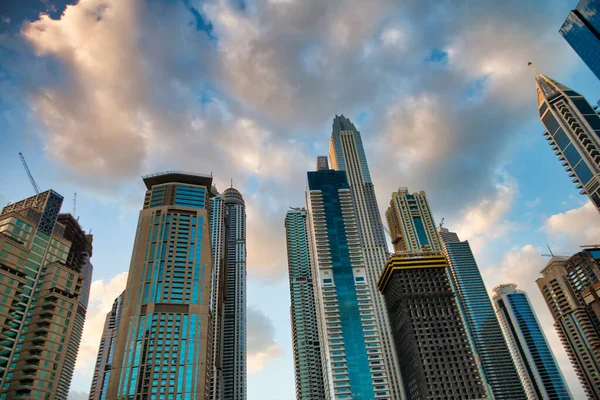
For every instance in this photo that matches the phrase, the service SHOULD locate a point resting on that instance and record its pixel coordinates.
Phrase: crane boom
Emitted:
(35, 185)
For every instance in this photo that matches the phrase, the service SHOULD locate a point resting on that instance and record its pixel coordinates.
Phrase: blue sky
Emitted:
(97, 94)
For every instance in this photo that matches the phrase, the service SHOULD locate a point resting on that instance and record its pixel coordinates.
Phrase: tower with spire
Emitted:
(573, 132)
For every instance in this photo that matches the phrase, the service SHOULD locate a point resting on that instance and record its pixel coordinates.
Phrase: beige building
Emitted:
(45, 275)
(163, 347)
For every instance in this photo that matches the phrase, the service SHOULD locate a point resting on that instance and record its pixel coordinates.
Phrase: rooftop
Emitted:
(177, 177)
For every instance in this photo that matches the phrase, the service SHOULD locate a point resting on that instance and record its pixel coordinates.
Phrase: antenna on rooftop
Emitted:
(530, 65)
(74, 203)
(441, 223)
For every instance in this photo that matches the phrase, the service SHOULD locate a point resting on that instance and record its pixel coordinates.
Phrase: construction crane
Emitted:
(35, 185)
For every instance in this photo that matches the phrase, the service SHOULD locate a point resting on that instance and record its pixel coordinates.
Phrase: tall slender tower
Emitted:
(163, 341)
(347, 154)
(573, 132)
(219, 233)
(234, 308)
(491, 351)
(106, 351)
(581, 30)
(305, 334)
(350, 340)
(535, 362)
(565, 285)
(44, 265)
(431, 342)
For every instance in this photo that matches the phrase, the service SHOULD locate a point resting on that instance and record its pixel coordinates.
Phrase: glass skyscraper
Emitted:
(573, 132)
(233, 348)
(163, 341)
(305, 335)
(347, 154)
(581, 30)
(536, 364)
(570, 286)
(106, 351)
(351, 346)
(491, 350)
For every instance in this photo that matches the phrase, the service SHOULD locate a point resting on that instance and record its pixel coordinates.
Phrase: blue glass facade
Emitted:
(573, 131)
(581, 30)
(162, 349)
(329, 182)
(482, 326)
(529, 344)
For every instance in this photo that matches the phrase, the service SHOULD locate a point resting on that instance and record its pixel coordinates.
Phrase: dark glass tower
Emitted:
(530, 349)
(482, 326)
(573, 131)
(581, 30)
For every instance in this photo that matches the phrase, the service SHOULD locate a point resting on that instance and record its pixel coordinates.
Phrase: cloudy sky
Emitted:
(97, 93)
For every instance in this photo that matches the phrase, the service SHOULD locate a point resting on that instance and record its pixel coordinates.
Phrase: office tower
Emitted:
(44, 260)
(411, 224)
(563, 283)
(436, 359)
(350, 340)
(416, 286)
(218, 227)
(106, 351)
(573, 131)
(163, 341)
(234, 307)
(347, 154)
(581, 30)
(491, 351)
(305, 335)
(535, 362)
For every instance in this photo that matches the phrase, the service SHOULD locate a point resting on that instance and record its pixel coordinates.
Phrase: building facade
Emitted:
(219, 232)
(99, 388)
(491, 351)
(581, 30)
(436, 358)
(564, 283)
(234, 306)
(536, 364)
(163, 341)
(308, 371)
(411, 223)
(351, 344)
(347, 154)
(44, 262)
(573, 132)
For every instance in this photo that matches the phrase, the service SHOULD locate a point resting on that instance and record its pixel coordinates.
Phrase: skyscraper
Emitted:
(535, 362)
(44, 265)
(163, 341)
(411, 223)
(491, 351)
(305, 334)
(581, 30)
(436, 359)
(433, 348)
(573, 131)
(234, 307)
(563, 285)
(347, 154)
(106, 351)
(350, 340)
(219, 233)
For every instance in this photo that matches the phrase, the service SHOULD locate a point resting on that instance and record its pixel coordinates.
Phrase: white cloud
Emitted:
(574, 228)
(262, 345)
(102, 295)
(74, 395)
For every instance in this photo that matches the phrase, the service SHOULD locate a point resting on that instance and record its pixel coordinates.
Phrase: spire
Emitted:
(547, 88)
